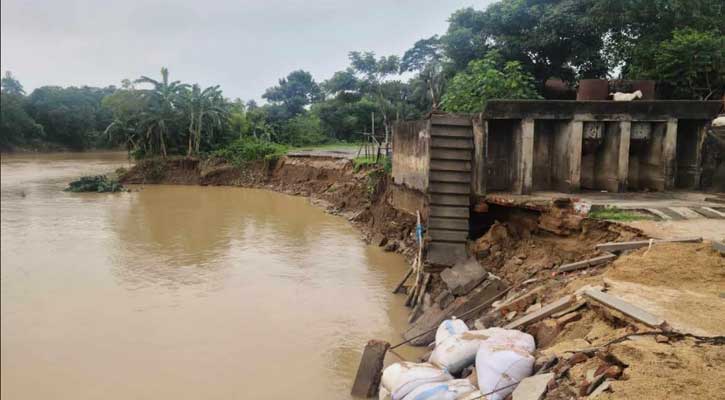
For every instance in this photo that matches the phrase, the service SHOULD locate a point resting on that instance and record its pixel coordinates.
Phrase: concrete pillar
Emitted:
(669, 154)
(480, 135)
(625, 130)
(575, 155)
(526, 157)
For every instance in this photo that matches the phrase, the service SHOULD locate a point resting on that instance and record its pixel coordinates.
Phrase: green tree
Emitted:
(10, 85)
(427, 59)
(486, 79)
(162, 111)
(16, 126)
(293, 93)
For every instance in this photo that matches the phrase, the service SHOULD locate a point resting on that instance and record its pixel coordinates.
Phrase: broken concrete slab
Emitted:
(463, 277)
(425, 326)
(600, 389)
(621, 246)
(625, 308)
(587, 263)
(719, 246)
(520, 303)
(444, 299)
(545, 311)
(533, 387)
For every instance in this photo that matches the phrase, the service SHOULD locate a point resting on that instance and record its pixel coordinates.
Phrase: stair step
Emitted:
(442, 253)
(449, 224)
(450, 165)
(451, 131)
(450, 200)
(449, 188)
(439, 235)
(451, 154)
(451, 143)
(450, 212)
(450, 176)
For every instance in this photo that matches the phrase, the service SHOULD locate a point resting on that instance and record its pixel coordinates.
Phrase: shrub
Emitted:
(248, 149)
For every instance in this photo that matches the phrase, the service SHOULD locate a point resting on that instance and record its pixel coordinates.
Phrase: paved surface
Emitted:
(334, 152)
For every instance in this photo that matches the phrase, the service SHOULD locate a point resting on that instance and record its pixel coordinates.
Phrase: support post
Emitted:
(669, 154)
(480, 132)
(575, 156)
(526, 161)
(625, 130)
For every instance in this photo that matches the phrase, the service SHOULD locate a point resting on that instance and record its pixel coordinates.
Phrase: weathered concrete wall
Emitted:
(690, 139)
(501, 154)
(646, 157)
(409, 200)
(552, 139)
(411, 154)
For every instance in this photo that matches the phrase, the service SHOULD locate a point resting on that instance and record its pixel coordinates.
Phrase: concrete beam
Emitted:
(480, 134)
(575, 155)
(669, 154)
(625, 131)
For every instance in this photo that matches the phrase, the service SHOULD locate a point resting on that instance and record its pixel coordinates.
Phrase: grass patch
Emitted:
(366, 162)
(248, 149)
(618, 214)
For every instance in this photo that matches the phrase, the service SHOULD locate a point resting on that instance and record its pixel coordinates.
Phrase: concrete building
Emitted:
(443, 163)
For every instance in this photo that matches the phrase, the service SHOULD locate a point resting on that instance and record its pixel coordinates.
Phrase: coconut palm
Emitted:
(204, 108)
(163, 109)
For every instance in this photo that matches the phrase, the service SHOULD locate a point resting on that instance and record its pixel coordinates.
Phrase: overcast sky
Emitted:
(245, 46)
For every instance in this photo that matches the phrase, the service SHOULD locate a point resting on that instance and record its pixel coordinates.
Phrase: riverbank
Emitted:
(362, 194)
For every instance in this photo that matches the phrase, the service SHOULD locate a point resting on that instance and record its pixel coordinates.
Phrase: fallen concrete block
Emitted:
(587, 263)
(545, 311)
(546, 332)
(621, 246)
(520, 303)
(463, 277)
(370, 371)
(719, 246)
(600, 389)
(533, 387)
(625, 308)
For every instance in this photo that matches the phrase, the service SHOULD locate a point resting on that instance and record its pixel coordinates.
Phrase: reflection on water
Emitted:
(181, 291)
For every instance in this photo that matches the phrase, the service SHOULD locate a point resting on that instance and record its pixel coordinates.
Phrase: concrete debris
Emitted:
(621, 246)
(545, 311)
(600, 389)
(533, 307)
(626, 308)
(719, 246)
(546, 332)
(444, 299)
(570, 317)
(533, 387)
(463, 277)
(520, 303)
(587, 263)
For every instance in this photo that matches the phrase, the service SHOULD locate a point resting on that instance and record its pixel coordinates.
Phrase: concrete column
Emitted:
(480, 133)
(669, 154)
(526, 158)
(575, 155)
(625, 130)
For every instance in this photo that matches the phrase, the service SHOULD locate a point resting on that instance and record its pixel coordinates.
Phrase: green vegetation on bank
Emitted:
(248, 149)
(618, 214)
(507, 50)
(98, 184)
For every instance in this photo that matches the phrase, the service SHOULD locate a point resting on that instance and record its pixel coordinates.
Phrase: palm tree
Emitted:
(163, 108)
(202, 106)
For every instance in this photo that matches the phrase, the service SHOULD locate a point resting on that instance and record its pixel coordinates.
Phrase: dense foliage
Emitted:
(247, 149)
(507, 50)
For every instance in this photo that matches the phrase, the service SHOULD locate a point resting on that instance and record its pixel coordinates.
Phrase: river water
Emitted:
(181, 292)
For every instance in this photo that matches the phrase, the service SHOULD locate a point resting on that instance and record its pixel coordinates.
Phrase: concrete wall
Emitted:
(552, 139)
(411, 154)
(501, 154)
(690, 139)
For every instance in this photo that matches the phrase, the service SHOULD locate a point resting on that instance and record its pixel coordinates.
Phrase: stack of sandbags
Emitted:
(502, 357)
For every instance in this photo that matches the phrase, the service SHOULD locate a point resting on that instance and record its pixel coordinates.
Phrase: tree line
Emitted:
(507, 50)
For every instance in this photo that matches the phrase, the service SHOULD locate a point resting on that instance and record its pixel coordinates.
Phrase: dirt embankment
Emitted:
(361, 195)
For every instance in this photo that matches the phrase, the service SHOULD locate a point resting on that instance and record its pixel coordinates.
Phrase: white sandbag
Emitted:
(449, 328)
(498, 366)
(451, 390)
(384, 394)
(457, 351)
(511, 337)
(401, 378)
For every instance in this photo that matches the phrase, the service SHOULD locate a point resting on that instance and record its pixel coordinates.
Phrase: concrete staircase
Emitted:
(449, 188)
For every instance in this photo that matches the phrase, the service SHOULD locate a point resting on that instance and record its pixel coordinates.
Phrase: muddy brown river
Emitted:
(181, 292)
